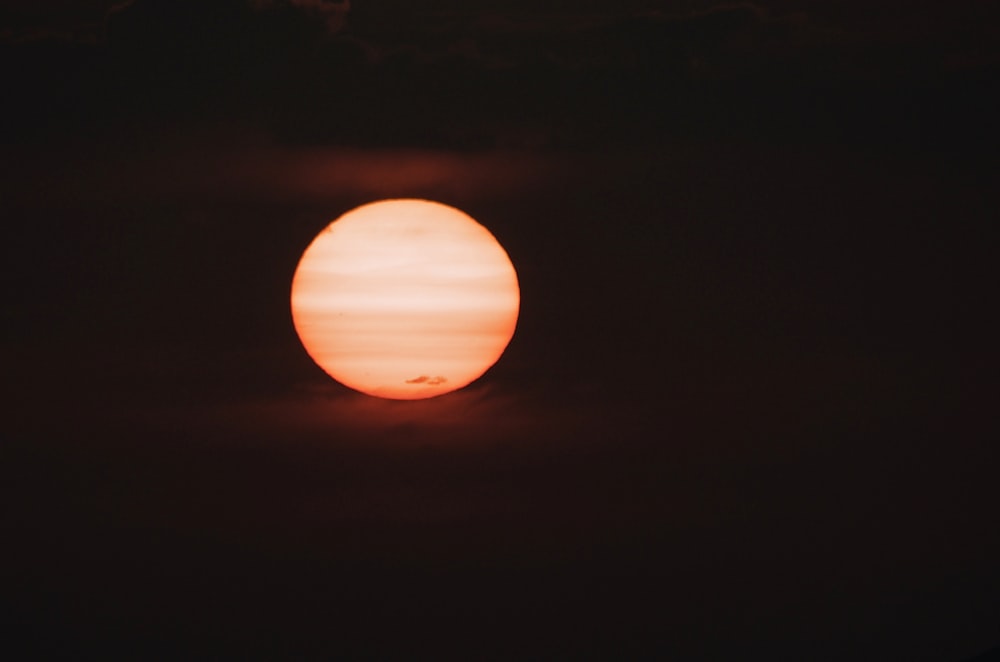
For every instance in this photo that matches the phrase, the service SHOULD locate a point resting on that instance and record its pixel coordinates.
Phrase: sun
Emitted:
(405, 299)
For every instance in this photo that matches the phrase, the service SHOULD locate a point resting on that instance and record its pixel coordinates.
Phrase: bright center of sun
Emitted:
(405, 299)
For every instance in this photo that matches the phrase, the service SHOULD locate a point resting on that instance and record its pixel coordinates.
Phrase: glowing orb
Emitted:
(405, 299)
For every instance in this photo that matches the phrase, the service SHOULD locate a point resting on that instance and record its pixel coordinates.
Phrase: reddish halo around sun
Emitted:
(405, 299)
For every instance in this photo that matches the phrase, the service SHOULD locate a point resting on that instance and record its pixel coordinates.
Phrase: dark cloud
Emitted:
(474, 80)
(332, 13)
(424, 379)
(82, 21)
(86, 21)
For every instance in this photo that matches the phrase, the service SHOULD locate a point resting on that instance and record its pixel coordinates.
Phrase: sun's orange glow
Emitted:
(405, 299)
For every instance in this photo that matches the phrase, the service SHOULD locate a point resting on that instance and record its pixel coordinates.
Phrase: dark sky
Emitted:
(748, 412)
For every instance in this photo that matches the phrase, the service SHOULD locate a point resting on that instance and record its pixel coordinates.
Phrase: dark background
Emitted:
(749, 411)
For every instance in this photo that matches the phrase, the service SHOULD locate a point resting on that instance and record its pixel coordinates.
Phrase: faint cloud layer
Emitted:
(211, 169)
(477, 416)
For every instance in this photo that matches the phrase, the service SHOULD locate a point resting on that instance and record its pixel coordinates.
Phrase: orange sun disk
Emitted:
(405, 299)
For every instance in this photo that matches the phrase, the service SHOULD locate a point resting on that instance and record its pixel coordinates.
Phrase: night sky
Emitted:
(749, 412)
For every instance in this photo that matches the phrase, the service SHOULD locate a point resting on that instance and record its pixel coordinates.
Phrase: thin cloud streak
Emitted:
(479, 416)
(248, 172)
